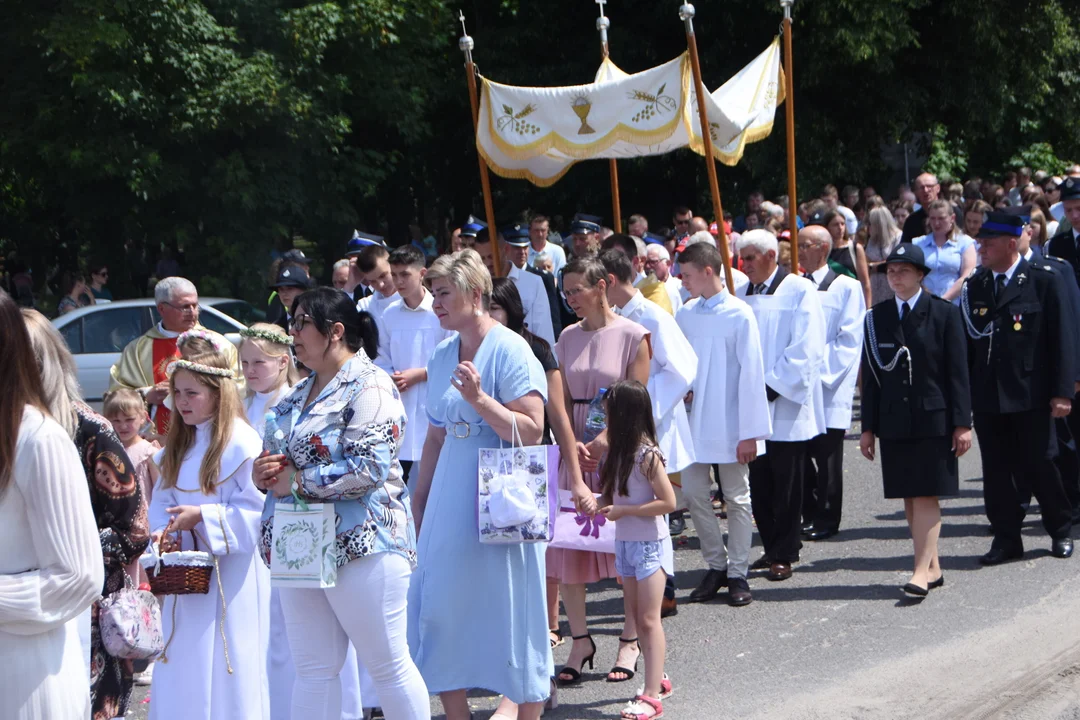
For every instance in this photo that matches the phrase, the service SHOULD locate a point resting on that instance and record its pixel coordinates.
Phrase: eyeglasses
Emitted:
(575, 292)
(300, 322)
(190, 308)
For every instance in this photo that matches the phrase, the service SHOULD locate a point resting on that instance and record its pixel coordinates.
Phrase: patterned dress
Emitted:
(121, 515)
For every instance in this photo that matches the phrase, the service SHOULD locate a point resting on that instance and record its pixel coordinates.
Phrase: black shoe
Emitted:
(913, 589)
(807, 528)
(710, 585)
(820, 534)
(997, 556)
(762, 563)
(940, 582)
(676, 525)
(669, 607)
(1062, 548)
(573, 676)
(739, 592)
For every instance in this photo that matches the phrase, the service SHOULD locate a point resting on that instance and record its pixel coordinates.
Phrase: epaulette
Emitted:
(1041, 266)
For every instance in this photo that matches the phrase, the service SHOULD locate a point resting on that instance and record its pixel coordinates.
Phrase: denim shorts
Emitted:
(637, 558)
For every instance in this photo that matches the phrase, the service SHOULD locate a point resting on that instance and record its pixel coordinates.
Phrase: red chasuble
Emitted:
(164, 353)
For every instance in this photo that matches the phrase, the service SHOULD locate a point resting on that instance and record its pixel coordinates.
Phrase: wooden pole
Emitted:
(466, 46)
(602, 25)
(789, 112)
(686, 14)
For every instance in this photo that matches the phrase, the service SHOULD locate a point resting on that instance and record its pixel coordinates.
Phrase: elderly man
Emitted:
(585, 231)
(792, 327)
(658, 262)
(340, 275)
(144, 362)
(649, 286)
(844, 307)
(926, 192)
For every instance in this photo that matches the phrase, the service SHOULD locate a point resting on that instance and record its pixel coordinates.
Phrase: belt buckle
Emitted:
(468, 430)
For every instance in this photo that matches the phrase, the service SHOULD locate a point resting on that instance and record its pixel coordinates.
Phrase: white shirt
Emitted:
(256, 406)
(818, 276)
(849, 219)
(167, 333)
(534, 300)
(844, 306)
(672, 369)
(375, 304)
(412, 334)
(910, 302)
(1009, 273)
(729, 402)
(792, 327)
(556, 253)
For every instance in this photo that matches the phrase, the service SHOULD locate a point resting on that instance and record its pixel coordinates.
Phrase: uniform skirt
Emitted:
(919, 467)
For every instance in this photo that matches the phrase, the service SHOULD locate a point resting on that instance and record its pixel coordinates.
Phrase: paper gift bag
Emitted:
(302, 553)
(508, 477)
(575, 531)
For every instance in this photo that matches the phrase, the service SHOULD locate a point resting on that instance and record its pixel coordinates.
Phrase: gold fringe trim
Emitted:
(522, 173)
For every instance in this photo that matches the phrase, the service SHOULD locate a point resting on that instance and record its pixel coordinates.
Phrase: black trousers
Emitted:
(1068, 460)
(406, 468)
(776, 489)
(1017, 452)
(823, 491)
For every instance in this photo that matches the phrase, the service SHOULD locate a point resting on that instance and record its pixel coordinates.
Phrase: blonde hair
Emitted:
(290, 374)
(194, 345)
(465, 271)
(123, 401)
(182, 436)
(1037, 215)
(59, 375)
(883, 231)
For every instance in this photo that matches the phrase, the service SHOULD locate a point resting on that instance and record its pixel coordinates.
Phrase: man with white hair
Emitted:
(340, 275)
(792, 327)
(144, 363)
(658, 262)
(844, 306)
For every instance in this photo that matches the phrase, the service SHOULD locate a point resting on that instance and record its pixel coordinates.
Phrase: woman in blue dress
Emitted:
(949, 253)
(477, 613)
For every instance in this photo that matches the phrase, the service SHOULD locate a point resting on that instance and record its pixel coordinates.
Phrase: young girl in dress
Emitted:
(266, 359)
(213, 665)
(636, 493)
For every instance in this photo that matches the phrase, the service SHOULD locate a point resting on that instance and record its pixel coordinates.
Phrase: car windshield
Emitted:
(241, 311)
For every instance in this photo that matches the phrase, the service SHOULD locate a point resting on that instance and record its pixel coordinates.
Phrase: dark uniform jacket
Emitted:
(1029, 355)
(1063, 245)
(935, 397)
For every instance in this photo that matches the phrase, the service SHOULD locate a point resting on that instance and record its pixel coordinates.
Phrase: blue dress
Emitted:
(477, 613)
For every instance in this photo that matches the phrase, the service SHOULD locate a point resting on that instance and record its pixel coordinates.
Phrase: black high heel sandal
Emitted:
(629, 672)
(575, 675)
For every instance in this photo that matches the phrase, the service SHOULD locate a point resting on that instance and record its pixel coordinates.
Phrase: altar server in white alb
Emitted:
(530, 286)
(729, 419)
(214, 662)
(410, 332)
(844, 306)
(792, 327)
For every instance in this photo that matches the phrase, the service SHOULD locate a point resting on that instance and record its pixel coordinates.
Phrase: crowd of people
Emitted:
(657, 373)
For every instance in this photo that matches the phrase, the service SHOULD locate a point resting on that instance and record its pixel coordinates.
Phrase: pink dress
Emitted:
(590, 360)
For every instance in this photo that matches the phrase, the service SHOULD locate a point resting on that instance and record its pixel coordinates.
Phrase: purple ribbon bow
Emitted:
(590, 525)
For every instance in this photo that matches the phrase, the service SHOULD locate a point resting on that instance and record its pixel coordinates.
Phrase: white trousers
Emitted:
(368, 607)
(735, 482)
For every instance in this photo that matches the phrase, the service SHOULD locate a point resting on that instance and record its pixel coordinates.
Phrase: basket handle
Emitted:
(179, 533)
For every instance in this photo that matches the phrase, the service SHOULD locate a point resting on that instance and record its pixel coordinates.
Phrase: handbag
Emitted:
(517, 492)
(303, 550)
(130, 623)
(577, 531)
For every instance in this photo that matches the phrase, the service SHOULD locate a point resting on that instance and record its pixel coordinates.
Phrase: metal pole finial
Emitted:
(465, 43)
(687, 12)
(786, 5)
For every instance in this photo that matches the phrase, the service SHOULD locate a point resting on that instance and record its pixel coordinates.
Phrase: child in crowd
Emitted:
(213, 665)
(636, 494)
(267, 362)
(126, 410)
(409, 332)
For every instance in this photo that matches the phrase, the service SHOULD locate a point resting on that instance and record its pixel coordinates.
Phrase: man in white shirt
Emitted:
(373, 263)
(658, 261)
(538, 243)
(792, 327)
(844, 307)
(515, 254)
(729, 419)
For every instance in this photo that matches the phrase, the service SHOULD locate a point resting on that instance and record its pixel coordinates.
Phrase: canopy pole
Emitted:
(602, 25)
(686, 14)
(465, 44)
(789, 112)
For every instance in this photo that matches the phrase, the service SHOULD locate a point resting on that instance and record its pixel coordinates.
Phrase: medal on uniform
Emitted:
(1016, 322)
(982, 311)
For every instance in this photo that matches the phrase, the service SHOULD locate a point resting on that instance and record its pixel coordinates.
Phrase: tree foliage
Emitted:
(229, 128)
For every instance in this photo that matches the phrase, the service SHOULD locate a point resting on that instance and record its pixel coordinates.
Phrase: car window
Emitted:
(109, 331)
(241, 311)
(72, 334)
(214, 323)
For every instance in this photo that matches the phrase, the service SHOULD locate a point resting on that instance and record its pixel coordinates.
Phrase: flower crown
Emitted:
(267, 335)
(198, 368)
(203, 334)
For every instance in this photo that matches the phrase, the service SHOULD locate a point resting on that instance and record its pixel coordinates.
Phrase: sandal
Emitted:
(574, 676)
(628, 672)
(666, 690)
(555, 637)
(643, 707)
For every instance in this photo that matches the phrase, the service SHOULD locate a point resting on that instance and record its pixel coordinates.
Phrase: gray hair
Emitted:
(170, 287)
(344, 263)
(701, 236)
(761, 240)
(541, 258)
(59, 375)
(640, 245)
(660, 250)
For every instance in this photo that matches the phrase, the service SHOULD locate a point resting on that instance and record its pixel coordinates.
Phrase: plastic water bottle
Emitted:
(273, 437)
(596, 419)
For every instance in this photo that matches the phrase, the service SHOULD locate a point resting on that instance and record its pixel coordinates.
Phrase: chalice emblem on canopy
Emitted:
(581, 107)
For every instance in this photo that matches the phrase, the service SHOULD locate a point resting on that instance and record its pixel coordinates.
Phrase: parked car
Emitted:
(98, 334)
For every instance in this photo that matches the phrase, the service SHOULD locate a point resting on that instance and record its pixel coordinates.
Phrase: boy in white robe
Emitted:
(412, 332)
(729, 419)
(792, 328)
(844, 305)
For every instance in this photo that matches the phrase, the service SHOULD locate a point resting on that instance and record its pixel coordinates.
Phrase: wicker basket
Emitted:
(181, 573)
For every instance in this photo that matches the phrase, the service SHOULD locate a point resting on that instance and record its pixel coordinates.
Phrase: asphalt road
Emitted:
(840, 640)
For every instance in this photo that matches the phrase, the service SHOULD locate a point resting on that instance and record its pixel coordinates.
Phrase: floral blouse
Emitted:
(345, 449)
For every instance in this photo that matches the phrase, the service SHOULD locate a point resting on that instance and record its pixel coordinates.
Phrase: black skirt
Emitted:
(920, 467)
